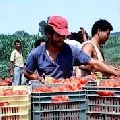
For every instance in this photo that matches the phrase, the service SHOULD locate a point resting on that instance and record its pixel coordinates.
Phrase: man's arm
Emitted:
(102, 67)
(32, 76)
(82, 58)
(88, 49)
(11, 68)
(83, 34)
(31, 67)
(12, 58)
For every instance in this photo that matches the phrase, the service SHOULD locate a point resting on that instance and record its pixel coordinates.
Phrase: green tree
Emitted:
(21, 33)
(42, 25)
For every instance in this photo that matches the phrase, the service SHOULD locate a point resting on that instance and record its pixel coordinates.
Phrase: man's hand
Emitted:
(11, 75)
(102, 67)
(41, 79)
(83, 31)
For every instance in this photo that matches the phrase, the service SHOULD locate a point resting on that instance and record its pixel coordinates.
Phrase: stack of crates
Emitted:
(44, 109)
(18, 107)
(102, 107)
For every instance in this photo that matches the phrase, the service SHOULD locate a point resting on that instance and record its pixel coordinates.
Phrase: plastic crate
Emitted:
(44, 109)
(1, 105)
(103, 117)
(19, 105)
(16, 117)
(102, 107)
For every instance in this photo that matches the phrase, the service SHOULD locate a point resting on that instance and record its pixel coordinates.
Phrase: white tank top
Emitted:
(99, 55)
(83, 73)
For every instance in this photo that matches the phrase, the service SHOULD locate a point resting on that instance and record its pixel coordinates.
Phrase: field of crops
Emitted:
(111, 50)
(6, 47)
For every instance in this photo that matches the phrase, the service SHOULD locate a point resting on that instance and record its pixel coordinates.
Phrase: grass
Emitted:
(4, 69)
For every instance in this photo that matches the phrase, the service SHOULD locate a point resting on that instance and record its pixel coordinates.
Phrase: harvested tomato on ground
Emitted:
(3, 83)
(8, 80)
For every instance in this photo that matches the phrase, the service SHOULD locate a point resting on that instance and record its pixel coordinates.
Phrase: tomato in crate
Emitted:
(106, 93)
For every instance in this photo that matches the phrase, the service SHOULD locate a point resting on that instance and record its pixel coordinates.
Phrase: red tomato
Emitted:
(3, 83)
(63, 98)
(105, 93)
(8, 92)
(83, 81)
(57, 81)
(8, 80)
(23, 92)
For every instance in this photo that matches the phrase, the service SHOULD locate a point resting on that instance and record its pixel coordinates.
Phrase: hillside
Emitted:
(116, 33)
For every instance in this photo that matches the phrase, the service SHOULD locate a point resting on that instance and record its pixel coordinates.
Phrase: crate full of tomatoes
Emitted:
(18, 103)
(103, 99)
(5, 82)
(59, 99)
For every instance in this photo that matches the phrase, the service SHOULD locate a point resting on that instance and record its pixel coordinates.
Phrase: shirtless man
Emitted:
(100, 34)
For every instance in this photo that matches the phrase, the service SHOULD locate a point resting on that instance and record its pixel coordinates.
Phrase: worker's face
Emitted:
(17, 46)
(42, 43)
(104, 35)
(57, 39)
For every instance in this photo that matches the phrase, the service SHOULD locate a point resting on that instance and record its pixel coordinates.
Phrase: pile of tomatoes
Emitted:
(110, 83)
(10, 92)
(65, 85)
(61, 98)
(5, 82)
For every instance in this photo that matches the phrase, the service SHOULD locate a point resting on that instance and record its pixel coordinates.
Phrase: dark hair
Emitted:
(49, 30)
(38, 42)
(80, 37)
(72, 36)
(102, 25)
(16, 41)
(77, 36)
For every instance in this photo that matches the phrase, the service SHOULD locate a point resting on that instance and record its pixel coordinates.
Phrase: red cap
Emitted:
(59, 24)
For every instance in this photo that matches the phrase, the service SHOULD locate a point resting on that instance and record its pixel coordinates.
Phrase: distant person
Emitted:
(71, 40)
(82, 35)
(39, 42)
(100, 33)
(76, 39)
(17, 64)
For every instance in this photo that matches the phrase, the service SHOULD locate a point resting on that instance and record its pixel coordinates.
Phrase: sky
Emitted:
(26, 14)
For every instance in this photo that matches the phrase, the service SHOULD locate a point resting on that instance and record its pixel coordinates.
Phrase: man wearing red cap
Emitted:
(56, 58)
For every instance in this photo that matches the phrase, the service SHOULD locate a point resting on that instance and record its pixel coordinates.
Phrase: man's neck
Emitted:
(18, 50)
(53, 48)
(95, 40)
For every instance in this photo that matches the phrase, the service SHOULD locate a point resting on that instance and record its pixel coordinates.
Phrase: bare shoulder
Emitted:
(88, 46)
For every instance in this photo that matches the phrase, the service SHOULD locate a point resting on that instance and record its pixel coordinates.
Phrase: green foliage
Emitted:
(7, 45)
(112, 50)
(42, 25)
(21, 33)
